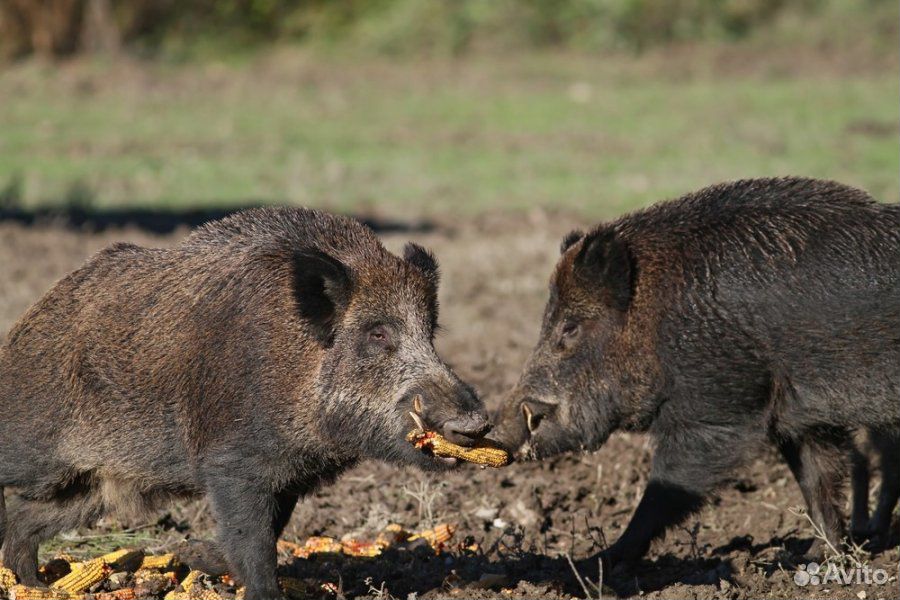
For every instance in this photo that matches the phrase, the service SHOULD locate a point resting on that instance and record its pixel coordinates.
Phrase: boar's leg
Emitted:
(284, 508)
(888, 447)
(817, 460)
(244, 514)
(860, 478)
(689, 464)
(207, 556)
(34, 521)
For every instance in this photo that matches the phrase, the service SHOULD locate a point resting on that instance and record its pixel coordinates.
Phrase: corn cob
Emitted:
(20, 592)
(126, 559)
(161, 562)
(361, 548)
(188, 582)
(436, 537)
(153, 583)
(197, 593)
(480, 454)
(7, 578)
(83, 577)
(122, 594)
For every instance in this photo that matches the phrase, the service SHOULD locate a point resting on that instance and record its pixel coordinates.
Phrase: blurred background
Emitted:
(420, 108)
(485, 130)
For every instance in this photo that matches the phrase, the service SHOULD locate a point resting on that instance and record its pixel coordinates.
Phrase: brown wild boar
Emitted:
(255, 361)
(754, 312)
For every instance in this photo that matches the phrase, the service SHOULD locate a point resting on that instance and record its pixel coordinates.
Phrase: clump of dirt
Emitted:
(520, 522)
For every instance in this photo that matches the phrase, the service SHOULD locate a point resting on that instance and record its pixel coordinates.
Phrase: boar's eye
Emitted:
(568, 334)
(379, 335)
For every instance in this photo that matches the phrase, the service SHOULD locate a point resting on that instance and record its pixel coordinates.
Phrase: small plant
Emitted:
(426, 494)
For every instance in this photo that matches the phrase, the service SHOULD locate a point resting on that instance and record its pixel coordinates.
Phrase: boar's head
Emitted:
(572, 393)
(374, 321)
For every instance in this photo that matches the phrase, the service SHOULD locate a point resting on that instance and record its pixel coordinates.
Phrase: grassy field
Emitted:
(593, 135)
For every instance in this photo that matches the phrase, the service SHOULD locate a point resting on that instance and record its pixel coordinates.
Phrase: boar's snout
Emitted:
(466, 429)
(458, 415)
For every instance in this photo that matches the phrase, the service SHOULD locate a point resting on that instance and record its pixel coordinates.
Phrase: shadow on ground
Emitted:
(162, 220)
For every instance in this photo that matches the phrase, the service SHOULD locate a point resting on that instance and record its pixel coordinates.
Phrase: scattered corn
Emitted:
(20, 592)
(83, 577)
(197, 593)
(161, 562)
(7, 578)
(481, 454)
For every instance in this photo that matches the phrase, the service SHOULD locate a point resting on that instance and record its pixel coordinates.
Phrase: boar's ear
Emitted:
(572, 237)
(423, 260)
(604, 262)
(322, 288)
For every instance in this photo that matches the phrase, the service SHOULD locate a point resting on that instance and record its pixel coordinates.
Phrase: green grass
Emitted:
(442, 137)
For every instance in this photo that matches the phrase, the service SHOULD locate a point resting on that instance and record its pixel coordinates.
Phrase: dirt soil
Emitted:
(525, 518)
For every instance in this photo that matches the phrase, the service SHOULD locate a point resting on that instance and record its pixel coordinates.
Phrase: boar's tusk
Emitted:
(417, 403)
(529, 418)
(419, 423)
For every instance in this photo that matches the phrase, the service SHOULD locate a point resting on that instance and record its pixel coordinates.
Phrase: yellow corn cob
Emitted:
(7, 578)
(163, 561)
(480, 454)
(436, 537)
(361, 548)
(188, 582)
(153, 583)
(195, 594)
(126, 559)
(123, 594)
(20, 592)
(83, 577)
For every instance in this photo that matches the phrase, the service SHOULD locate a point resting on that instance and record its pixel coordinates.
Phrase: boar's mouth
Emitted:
(416, 415)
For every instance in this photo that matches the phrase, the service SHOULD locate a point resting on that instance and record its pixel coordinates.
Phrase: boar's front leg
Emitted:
(817, 460)
(208, 557)
(244, 512)
(690, 462)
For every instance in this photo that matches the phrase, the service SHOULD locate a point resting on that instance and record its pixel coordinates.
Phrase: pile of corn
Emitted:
(149, 576)
(393, 535)
(131, 575)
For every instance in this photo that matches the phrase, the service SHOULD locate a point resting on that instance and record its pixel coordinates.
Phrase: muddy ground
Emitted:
(524, 518)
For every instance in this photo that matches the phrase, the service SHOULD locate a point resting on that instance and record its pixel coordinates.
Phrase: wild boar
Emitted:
(753, 312)
(255, 361)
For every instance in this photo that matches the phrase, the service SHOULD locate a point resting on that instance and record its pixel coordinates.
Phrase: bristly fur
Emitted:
(751, 312)
(252, 363)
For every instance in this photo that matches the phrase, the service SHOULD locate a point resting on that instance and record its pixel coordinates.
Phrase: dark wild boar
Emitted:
(258, 359)
(754, 312)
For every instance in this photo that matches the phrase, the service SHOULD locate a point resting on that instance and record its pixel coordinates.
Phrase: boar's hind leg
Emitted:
(860, 478)
(888, 446)
(34, 521)
(817, 461)
(244, 514)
